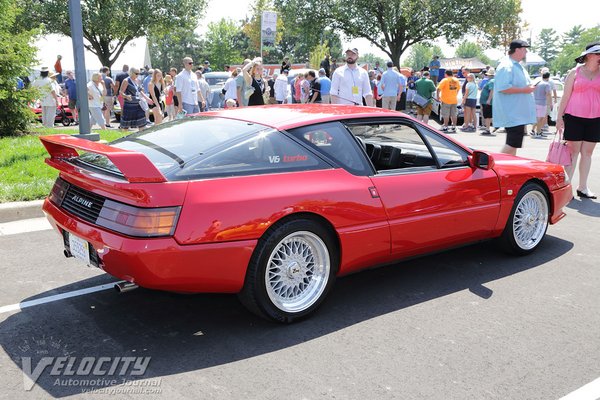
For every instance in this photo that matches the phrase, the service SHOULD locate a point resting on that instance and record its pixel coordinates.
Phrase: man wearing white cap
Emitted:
(48, 97)
(350, 84)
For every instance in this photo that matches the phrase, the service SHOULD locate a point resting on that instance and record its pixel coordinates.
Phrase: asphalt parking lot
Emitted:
(471, 323)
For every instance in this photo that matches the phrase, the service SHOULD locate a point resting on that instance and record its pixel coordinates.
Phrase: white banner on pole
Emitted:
(268, 28)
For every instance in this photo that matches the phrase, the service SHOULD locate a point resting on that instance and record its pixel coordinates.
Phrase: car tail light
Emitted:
(135, 221)
(59, 190)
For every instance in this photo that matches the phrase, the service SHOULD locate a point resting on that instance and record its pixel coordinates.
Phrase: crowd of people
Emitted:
(507, 96)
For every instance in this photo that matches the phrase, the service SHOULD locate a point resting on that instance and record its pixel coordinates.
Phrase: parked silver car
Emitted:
(216, 81)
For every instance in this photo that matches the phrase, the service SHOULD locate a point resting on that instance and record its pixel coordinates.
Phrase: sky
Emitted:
(537, 13)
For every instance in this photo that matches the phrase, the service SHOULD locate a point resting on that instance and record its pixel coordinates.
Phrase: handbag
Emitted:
(144, 104)
(559, 152)
(420, 100)
(249, 92)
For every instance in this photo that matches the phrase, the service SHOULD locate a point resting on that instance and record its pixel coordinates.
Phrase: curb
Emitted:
(20, 210)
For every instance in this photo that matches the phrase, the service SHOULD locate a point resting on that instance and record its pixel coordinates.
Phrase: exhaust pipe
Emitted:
(123, 287)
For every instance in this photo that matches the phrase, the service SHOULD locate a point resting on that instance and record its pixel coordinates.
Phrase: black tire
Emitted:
(528, 221)
(66, 121)
(291, 271)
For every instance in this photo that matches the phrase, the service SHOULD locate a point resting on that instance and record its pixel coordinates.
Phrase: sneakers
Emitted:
(484, 131)
(452, 129)
(444, 129)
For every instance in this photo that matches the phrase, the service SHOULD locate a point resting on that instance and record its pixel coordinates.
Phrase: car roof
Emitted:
(288, 116)
(217, 74)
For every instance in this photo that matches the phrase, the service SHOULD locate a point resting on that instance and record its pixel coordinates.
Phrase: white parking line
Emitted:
(56, 297)
(591, 391)
(24, 225)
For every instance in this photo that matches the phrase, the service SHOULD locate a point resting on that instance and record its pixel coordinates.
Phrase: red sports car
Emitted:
(275, 202)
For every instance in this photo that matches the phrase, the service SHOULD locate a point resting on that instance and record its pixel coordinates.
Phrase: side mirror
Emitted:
(482, 160)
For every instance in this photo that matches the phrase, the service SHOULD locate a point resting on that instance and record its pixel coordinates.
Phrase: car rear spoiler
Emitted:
(134, 166)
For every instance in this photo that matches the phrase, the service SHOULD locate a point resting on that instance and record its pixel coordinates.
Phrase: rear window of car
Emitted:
(203, 147)
(216, 80)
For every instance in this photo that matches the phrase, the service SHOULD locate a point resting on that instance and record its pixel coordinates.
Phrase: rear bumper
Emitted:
(560, 198)
(162, 263)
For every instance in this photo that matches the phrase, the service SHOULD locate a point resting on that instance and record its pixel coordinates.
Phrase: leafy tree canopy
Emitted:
(221, 45)
(566, 58)
(421, 54)
(395, 25)
(547, 45)
(16, 59)
(109, 25)
(471, 49)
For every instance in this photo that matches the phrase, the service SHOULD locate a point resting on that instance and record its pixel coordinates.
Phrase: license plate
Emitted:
(80, 248)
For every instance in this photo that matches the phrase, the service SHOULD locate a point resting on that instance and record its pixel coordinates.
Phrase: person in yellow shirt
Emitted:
(447, 93)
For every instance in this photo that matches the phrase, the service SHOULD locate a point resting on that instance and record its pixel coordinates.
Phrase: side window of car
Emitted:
(264, 152)
(335, 142)
(394, 146)
(448, 154)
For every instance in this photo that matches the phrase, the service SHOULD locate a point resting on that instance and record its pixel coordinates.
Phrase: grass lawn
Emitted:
(24, 174)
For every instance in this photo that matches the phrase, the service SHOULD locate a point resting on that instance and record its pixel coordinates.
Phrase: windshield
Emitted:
(216, 80)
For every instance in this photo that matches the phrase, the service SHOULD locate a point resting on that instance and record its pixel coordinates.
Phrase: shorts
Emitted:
(73, 104)
(471, 103)
(449, 110)
(109, 101)
(514, 135)
(486, 110)
(579, 129)
(541, 111)
(424, 110)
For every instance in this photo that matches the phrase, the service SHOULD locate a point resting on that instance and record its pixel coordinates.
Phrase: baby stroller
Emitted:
(63, 113)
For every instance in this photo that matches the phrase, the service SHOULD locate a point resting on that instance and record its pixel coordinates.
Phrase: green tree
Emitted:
(420, 54)
(566, 58)
(109, 25)
(371, 59)
(318, 54)
(546, 44)
(304, 30)
(395, 25)
(573, 35)
(471, 49)
(252, 28)
(167, 49)
(221, 45)
(500, 22)
(16, 59)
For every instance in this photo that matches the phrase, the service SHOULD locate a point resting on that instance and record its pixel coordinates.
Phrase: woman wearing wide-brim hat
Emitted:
(579, 114)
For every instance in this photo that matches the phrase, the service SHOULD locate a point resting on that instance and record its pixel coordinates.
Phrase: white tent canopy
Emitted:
(534, 59)
(49, 46)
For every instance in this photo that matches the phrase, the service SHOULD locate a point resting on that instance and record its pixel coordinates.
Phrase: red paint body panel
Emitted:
(440, 208)
(141, 194)
(375, 219)
(514, 172)
(136, 167)
(243, 208)
(162, 263)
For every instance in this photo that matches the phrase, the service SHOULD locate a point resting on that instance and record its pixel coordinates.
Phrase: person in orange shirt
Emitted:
(447, 93)
(58, 69)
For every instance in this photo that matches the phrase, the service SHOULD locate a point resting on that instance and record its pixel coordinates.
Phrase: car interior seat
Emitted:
(389, 158)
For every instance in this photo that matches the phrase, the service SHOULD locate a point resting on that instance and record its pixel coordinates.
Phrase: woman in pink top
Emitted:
(579, 114)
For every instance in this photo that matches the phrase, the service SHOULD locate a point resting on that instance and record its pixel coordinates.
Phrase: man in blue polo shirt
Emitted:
(514, 105)
(390, 87)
